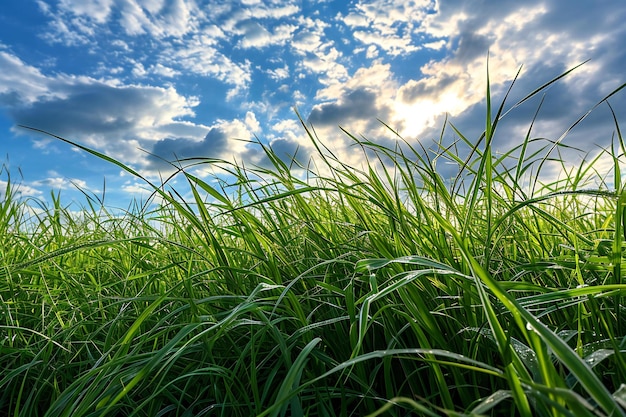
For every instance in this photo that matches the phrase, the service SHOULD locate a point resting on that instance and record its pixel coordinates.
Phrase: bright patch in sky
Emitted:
(200, 78)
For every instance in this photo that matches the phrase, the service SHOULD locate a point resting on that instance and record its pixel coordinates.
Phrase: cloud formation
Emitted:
(187, 78)
(112, 117)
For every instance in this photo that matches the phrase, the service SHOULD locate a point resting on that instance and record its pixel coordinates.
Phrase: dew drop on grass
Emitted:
(620, 395)
(373, 282)
(598, 356)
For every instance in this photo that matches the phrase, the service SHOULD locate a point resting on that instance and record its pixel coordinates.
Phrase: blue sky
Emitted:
(187, 78)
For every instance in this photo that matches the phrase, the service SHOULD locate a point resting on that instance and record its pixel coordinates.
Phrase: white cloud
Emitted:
(388, 24)
(43, 6)
(354, 20)
(372, 52)
(437, 45)
(77, 20)
(164, 71)
(73, 22)
(279, 73)
(446, 87)
(310, 36)
(133, 20)
(251, 122)
(325, 64)
(197, 38)
(258, 11)
(19, 190)
(61, 183)
(392, 44)
(20, 83)
(120, 44)
(255, 35)
(377, 77)
(139, 70)
(201, 58)
(96, 10)
(317, 55)
(141, 190)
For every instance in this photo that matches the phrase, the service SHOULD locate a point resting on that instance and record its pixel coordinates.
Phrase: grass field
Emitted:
(347, 291)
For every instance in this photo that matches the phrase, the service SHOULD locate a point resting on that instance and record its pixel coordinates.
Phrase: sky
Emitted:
(202, 78)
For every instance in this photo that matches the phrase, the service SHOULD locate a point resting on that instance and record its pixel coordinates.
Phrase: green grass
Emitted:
(327, 289)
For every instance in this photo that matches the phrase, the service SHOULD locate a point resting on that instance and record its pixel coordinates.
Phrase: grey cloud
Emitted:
(559, 111)
(477, 12)
(93, 109)
(357, 104)
(10, 99)
(572, 31)
(286, 150)
(426, 88)
(583, 19)
(81, 113)
(214, 144)
(563, 103)
(472, 46)
(579, 20)
(253, 30)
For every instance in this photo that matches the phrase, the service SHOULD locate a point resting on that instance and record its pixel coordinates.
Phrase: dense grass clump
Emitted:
(325, 290)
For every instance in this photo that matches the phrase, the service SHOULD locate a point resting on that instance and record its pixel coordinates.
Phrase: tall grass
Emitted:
(349, 291)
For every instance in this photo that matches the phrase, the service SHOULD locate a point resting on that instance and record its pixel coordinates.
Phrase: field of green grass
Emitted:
(344, 291)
